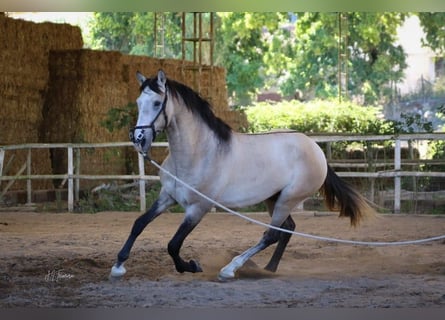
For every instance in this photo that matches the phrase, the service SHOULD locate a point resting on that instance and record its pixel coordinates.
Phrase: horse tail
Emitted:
(340, 196)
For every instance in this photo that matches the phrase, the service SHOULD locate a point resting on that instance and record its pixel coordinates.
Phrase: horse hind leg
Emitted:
(284, 237)
(270, 237)
(280, 206)
(283, 240)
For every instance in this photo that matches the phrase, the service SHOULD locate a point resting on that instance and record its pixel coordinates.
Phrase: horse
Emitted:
(235, 169)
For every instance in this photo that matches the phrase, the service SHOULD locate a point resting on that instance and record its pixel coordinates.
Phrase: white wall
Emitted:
(420, 60)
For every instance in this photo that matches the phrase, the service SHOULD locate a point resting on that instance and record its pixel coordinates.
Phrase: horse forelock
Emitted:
(152, 84)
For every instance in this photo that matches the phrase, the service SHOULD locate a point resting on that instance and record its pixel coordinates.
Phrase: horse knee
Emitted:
(143, 220)
(138, 226)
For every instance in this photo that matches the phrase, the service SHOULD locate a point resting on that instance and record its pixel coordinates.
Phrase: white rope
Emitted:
(304, 235)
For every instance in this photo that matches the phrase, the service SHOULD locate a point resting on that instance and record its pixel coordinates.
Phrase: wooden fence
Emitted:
(396, 172)
(72, 176)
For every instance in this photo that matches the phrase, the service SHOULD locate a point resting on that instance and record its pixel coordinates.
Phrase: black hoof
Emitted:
(195, 267)
(271, 268)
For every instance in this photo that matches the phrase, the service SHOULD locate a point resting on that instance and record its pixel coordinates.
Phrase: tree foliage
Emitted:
(372, 62)
(433, 24)
(133, 32)
(285, 51)
(300, 52)
(241, 49)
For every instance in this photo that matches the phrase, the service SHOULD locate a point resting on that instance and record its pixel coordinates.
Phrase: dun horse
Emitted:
(237, 170)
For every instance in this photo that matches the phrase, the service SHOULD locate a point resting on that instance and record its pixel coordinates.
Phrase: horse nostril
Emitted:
(136, 138)
(142, 142)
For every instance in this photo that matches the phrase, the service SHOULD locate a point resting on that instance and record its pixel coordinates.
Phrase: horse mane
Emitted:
(195, 104)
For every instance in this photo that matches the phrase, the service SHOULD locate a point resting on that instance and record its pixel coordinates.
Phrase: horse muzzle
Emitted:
(141, 141)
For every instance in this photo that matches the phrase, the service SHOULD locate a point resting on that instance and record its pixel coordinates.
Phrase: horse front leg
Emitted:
(160, 205)
(191, 220)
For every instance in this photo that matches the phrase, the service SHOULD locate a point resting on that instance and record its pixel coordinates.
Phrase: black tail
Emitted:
(340, 196)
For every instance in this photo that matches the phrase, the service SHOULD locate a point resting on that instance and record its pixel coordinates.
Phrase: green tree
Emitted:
(294, 51)
(267, 49)
(433, 24)
(133, 32)
(240, 42)
(111, 31)
(241, 48)
(373, 59)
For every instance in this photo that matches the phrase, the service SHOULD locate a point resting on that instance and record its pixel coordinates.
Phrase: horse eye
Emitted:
(157, 103)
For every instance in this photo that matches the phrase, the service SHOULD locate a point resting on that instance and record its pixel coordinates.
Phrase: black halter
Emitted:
(152, 124)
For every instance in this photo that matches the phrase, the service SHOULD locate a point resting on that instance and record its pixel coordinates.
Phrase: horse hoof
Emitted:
(225, 279)
(225, 276)
(195, 266)
(117, 272)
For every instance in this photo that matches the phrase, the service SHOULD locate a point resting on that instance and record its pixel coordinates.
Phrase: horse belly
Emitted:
(295, 164)
(244, 189)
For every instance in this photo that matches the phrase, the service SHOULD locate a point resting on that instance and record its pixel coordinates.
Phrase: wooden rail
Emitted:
(73, 178)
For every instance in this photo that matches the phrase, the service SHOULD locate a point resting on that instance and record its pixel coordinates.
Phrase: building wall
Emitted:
(420, 59)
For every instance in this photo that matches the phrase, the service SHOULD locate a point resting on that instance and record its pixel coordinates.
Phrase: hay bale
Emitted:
(24, 48)
(24, 70)
(20, 35)
(84, 85)
(131, 64)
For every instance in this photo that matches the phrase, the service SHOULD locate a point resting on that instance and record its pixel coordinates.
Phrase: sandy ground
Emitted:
(64, 260)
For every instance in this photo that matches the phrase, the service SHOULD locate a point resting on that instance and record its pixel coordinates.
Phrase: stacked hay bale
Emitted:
(24, 49)
(84, 85)
(53, 91)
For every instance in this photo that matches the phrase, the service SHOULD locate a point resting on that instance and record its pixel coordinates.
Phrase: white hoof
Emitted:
(226, 275)
(118, 271)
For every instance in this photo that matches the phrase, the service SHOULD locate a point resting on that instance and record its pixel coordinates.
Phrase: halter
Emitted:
(152, 124)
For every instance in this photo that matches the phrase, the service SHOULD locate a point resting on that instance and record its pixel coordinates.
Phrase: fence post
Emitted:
(143, 205)
(77, 181)
(28, 181)
(397, 182)
(2, 158)
(70, 180)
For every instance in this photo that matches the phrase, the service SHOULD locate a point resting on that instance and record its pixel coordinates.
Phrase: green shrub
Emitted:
(318, 116)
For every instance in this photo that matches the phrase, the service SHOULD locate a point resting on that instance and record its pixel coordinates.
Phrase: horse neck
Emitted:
(189, 138)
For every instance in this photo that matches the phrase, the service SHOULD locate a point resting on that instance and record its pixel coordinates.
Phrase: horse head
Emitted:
(151, 103)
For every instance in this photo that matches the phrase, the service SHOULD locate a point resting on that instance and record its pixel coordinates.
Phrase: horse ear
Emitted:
(162, 80)
(140, 78)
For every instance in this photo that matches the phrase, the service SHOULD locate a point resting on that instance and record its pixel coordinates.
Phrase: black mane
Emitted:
(195, 104)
